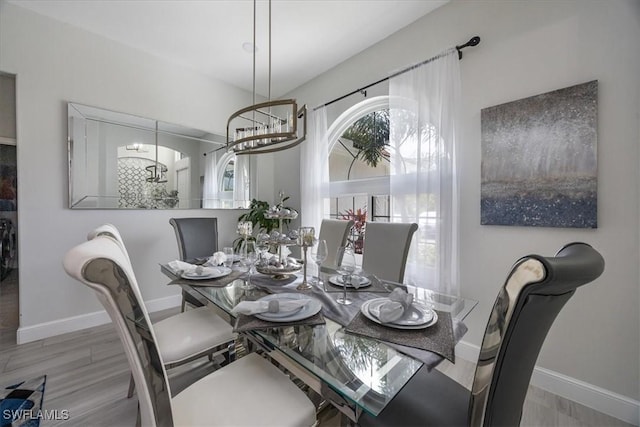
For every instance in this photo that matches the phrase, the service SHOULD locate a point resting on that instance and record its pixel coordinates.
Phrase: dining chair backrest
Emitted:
(535, 291)
(112, 231)
(386, 247)
(335, 232)
(101, 264)
(197, 237)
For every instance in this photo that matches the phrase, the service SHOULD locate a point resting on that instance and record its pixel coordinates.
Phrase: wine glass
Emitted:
(306, 238)
(262, 245)
(319, 256)
(228, 252)
(248, 258)
(346, 267)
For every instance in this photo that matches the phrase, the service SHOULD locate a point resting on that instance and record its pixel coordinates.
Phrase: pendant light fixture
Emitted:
(157, 171)
(269, 126)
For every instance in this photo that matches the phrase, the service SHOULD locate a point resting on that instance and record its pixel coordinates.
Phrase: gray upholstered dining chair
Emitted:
(535, 291)
(197, 239)
(386, 246)
(220, 398)
(335, 232)
(186, 336)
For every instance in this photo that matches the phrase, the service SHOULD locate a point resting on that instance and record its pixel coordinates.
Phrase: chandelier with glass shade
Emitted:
(269, 126)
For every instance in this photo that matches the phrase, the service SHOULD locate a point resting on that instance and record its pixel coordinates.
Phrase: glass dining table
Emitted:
(351, 371)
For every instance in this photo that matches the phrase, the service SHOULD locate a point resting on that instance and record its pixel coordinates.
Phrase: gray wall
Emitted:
(530, 48)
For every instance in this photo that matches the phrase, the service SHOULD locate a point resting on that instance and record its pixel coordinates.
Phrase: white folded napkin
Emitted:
(399, 302)
(181, 267)
(272, 306)
(218, 258)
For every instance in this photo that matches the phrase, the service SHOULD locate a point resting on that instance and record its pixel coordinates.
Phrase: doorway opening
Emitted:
(9, 307)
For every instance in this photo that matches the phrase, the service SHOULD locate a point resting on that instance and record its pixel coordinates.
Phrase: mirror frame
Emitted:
(79, 115)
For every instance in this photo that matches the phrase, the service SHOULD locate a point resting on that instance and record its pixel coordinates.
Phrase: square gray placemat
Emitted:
(438, 338)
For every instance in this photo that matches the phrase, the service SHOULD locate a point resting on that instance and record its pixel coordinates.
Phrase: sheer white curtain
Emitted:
(424, 105)
(314, 171)
(210, 187)
(241, 181)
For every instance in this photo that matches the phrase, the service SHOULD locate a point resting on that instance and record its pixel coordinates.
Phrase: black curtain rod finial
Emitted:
(474, 41)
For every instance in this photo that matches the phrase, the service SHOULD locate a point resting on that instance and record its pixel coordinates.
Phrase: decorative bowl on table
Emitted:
(275, 212)
(277, 238)
(278, 270)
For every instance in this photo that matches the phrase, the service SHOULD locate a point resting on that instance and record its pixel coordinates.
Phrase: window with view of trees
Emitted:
(227, 176)
(359, 174)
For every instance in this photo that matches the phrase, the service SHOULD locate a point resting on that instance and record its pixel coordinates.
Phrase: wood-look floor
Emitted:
(88, 375)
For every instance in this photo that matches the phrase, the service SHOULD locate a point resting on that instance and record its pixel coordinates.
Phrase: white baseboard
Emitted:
(71, 324)
(599, 399)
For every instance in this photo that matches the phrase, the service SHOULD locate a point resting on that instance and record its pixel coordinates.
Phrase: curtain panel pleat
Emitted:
(314, 171)
(424, 105)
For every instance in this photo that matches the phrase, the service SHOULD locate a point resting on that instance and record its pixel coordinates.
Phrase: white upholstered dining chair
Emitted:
(248, 392)
(186, 336)
(335, 232)
(386, 246)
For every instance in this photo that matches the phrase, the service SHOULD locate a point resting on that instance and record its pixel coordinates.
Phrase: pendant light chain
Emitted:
(269, 93)
(274, 131)
(254, 56)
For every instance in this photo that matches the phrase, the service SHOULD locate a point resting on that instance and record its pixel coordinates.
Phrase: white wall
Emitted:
(527, 48)
(530, 48)
(55, 64)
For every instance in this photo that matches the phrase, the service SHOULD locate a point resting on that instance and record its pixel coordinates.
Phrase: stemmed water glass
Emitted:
(306, 239)
(228, 252)
(262, 246)
(248, 258)
(319, 256)
(346, 267)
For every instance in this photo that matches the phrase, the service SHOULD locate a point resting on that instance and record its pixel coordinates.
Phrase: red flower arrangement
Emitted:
(359, 218)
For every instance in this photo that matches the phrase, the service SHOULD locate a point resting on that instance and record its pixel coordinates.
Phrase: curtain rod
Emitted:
(474, 41)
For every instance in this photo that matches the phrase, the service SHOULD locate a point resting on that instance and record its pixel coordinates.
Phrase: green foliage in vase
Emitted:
(256, 214)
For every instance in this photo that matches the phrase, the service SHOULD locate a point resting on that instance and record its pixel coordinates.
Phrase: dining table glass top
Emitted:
(365, 373)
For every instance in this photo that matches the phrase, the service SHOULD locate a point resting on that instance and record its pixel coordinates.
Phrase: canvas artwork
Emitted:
(539, 160)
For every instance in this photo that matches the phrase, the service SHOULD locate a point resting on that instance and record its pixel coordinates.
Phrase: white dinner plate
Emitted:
(362, 282)
(208, 273)
(414, 318)
(312, 307)
(234, 258)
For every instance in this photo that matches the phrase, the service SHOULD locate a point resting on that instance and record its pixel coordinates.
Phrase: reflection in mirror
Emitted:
(227, 185)
(120, 161)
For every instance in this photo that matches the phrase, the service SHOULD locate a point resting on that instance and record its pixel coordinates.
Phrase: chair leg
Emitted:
(230, 354)
(138, 418)
(132, 387)
(184, 304)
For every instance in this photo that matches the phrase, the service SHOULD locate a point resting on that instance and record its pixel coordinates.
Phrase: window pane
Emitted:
(362, 150)
(344, 204)
(381, 209)
(227, 177)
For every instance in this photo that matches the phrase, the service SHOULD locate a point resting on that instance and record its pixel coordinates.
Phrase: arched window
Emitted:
(225, 180)
(359, 166)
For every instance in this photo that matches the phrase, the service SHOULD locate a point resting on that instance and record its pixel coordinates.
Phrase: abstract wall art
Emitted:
(539, 160)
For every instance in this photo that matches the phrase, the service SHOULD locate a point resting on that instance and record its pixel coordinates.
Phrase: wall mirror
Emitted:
(121, 161)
